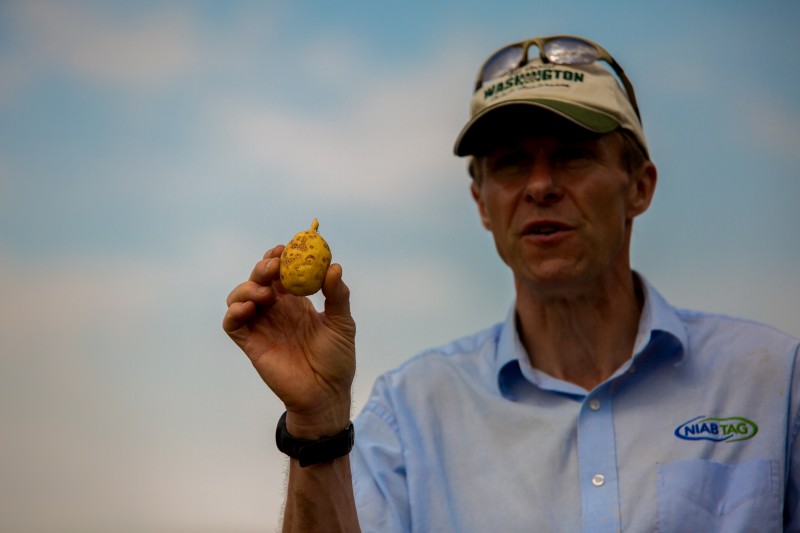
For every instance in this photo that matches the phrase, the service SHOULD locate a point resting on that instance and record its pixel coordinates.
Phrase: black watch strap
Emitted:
(312, 452)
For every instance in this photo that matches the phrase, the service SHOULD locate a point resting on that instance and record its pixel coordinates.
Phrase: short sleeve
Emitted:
(379, 471)
(791, 503)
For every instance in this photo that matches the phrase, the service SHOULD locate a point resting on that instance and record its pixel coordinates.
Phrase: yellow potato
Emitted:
(304, 262)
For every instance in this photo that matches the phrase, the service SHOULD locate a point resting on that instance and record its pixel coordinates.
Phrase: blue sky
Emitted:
(150, 152)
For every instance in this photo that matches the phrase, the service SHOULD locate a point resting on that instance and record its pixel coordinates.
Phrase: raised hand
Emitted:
(307, 358)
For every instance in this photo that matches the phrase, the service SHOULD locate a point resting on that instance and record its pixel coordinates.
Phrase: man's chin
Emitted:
(556, 278)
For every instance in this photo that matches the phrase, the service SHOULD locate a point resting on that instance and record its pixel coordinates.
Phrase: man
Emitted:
(595, 406)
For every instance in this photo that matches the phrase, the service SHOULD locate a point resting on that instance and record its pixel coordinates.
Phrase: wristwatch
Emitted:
(312, 452)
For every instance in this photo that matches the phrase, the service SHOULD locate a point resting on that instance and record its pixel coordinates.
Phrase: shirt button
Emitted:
(594, 404)
(598, 480)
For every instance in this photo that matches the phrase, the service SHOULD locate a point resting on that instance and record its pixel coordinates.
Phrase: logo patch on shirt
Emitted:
(731, 429)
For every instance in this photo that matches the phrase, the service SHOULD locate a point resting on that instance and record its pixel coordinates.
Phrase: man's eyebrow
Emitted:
(580, 137)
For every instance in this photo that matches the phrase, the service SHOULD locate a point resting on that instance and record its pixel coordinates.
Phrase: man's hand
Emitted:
(307, 358)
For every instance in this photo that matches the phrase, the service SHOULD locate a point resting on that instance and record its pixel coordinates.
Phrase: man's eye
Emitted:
(510, 161)
(573, 154)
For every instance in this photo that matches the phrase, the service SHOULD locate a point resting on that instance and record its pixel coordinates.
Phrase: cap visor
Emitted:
(473, 136)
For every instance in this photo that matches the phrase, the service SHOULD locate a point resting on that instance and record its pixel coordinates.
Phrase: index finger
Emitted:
(266, 271)
(274, 252)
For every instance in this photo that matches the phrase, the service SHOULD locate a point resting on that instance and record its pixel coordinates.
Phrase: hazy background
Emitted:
(150, 152)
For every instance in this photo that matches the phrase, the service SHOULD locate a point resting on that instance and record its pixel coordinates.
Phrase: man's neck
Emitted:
(581, 337)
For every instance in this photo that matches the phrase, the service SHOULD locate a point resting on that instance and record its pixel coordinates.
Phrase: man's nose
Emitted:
(542, 186)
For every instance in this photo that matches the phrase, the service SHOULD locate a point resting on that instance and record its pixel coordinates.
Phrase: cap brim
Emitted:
(473, 135)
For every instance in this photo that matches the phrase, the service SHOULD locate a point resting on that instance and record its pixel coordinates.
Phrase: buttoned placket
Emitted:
(597, 463)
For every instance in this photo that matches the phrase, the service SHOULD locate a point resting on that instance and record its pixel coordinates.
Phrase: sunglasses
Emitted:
(558, 50)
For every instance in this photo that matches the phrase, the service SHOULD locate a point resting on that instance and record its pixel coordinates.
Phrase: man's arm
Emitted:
(308, 360)
(320, 498)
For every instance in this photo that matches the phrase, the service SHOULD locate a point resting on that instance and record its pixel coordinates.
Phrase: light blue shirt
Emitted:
(696, 432)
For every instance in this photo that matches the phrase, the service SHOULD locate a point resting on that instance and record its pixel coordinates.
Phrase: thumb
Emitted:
(336, 292)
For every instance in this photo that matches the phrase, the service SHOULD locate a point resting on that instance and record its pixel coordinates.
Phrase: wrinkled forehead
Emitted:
(510, 126)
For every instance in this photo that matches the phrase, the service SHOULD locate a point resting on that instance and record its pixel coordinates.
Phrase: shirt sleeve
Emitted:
(379, 471)
(791, 502)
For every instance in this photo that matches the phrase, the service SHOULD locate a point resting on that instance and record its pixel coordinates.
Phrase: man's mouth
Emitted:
(545, 228)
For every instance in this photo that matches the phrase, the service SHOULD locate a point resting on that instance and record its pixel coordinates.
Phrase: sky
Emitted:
(150, 152)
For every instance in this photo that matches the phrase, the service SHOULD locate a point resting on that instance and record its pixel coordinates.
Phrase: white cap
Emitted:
(588, 95)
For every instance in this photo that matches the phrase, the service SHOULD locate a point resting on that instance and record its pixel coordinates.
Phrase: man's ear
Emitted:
(642, 189)
(476, 195)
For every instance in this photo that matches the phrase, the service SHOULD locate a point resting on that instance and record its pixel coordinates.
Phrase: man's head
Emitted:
(561, 168)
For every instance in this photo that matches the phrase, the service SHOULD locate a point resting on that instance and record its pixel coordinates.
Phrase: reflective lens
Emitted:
(561, 51)
(556, 50)
(502, 62)
(567, 51)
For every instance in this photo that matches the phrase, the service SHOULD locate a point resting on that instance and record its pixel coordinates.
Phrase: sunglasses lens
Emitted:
(502, 62)
(568, 51)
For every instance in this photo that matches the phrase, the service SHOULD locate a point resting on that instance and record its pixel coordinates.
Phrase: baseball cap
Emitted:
(587, 94)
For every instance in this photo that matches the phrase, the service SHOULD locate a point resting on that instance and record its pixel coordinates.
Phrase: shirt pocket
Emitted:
(702, 495)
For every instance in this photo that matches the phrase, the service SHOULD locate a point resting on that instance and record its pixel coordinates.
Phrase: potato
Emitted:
(304, 262)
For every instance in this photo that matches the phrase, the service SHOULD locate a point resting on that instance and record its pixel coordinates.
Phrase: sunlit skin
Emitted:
(560, 206)
(576, 186)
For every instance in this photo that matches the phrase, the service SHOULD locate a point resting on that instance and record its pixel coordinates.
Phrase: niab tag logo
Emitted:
(732, 429)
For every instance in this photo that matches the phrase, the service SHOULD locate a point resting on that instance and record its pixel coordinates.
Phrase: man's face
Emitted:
(560, 205)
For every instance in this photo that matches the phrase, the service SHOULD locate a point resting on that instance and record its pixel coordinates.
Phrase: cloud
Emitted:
(387, 141)
(110, 357)
(141, 51)
(6, 195)
(771, 127)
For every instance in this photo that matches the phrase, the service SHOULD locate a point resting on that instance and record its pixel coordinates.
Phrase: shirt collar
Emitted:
(657, 317)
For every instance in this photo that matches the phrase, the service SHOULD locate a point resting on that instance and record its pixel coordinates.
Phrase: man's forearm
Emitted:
(320, 498)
